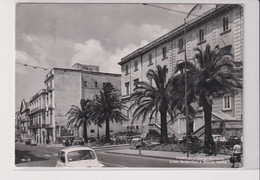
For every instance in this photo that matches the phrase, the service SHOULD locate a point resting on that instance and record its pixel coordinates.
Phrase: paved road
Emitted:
(41, 156)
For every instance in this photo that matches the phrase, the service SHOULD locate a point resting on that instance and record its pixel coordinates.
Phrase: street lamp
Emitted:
(185, 76)
(186, 93)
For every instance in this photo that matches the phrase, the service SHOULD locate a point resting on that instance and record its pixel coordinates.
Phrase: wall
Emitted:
(67, 90)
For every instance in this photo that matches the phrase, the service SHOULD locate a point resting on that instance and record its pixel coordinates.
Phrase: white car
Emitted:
(219, 138)
(78, 156)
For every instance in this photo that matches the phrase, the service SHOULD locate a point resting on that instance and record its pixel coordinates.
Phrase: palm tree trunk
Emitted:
(107, 130)
(164, 134)
(85, 132)
(209, 144)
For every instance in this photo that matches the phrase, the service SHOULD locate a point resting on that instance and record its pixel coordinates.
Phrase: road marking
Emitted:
(117, 165)
(46, 155)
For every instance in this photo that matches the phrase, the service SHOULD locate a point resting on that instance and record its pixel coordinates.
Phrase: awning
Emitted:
(223, 116)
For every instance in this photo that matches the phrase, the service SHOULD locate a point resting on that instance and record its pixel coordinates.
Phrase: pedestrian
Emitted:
(237, 152)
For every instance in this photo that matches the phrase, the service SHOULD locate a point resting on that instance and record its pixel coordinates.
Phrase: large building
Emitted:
(24, 121)
(37, 116)
(220, 25)
(66, 87)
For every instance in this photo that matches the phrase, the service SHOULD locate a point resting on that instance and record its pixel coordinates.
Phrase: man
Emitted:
(237, 151)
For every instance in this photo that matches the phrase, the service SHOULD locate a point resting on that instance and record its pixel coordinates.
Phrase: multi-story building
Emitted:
(24, 121)
(66, 87)
(220, 25)
(17, 126)
(37, 116)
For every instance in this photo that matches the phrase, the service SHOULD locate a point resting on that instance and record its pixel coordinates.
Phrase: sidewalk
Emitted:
(200, 158)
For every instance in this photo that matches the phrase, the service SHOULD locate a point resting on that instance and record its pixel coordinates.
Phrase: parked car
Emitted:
(28, 141)
(67, 142)
(194, 139)
(78, 156)
(33, 142)
(233, 140)
(219, 139)
(76, 142)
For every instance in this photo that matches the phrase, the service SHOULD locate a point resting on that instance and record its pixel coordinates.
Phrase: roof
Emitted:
(50, 74)
(223, 116)
(24, 106)
(73, 148)
(175, 32)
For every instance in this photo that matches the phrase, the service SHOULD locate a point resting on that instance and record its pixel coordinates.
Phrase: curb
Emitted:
(171, 158)
(112, 146)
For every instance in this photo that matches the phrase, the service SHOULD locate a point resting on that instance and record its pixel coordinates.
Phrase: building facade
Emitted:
(220, 25)
(37, 116)
(66, 87)
(24, 121)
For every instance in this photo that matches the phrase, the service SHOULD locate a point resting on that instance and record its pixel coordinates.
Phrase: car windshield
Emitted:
(81, 155)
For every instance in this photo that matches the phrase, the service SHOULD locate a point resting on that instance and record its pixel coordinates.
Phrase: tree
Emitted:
(212, 72)
(149, 99)
(106, 107)
(79, 117)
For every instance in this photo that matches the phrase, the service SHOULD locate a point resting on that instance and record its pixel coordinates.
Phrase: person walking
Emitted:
(237, 152)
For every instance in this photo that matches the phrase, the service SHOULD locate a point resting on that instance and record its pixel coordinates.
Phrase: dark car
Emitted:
(193, 139)
(28, 141)
(232, 141)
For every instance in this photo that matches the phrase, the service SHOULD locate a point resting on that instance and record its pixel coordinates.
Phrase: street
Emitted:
(43, 156)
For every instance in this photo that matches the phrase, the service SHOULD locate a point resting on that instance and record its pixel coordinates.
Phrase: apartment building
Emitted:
(24, 121)
(37, 117)
(220, 25)
(66, 87)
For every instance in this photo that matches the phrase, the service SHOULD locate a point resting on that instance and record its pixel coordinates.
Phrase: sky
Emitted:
(60, 35)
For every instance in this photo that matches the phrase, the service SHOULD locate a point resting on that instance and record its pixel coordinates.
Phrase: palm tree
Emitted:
(106, 107)
(78, 117)
(148, 99)
(213, 71)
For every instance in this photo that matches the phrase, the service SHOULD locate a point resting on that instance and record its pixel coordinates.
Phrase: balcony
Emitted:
(34, 126)
(36, 110)
(48, 126)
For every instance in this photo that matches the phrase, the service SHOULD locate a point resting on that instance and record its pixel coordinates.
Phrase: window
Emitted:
(85, 83)
(227, 102)
(137, 127)
(150, 58)
(180, 44)
(164, 52)
(135, 82)
(79, 155)
(92, 130)
(136, 65)
(96, 84)
(126, 70)
(127, 88)
(225, 23)
(62, 156)
(201, 35)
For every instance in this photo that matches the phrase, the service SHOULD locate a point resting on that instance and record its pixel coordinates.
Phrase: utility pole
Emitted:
(186, 91)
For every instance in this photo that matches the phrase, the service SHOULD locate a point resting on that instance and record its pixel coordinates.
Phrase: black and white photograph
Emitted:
(137, 85)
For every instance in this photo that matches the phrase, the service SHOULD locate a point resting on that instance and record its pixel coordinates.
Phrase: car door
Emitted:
(61, 161)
